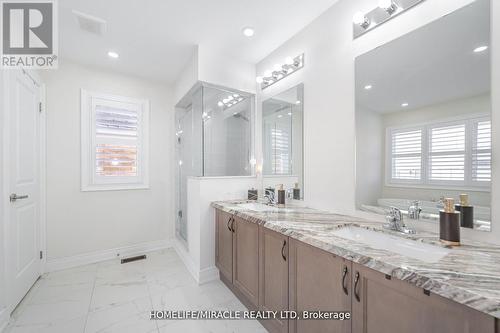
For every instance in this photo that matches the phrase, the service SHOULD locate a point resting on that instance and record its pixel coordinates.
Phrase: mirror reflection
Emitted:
(423, 120)
(282, 137)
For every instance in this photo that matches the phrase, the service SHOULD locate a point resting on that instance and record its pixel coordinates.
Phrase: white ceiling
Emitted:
(156, 38)
(434, 64)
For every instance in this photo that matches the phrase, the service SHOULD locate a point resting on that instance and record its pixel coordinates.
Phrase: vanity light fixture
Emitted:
(230, 101)
(385, 11)
(279, 71)
(480, 49)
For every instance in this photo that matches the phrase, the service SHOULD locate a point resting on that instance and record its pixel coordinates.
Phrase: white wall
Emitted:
(328, 78)
(84, 222)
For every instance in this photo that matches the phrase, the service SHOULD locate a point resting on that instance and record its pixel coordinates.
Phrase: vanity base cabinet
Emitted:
(246, 260)
(381, 304)
(224, 244)
(273, 277)
(317, 284)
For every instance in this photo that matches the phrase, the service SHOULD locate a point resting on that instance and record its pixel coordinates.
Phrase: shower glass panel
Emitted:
(213, 139)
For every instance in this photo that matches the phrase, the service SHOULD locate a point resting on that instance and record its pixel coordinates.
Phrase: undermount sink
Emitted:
(258, 207)
(405, 247)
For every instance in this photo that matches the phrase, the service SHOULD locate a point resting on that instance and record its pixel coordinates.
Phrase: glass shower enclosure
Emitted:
(213, 139)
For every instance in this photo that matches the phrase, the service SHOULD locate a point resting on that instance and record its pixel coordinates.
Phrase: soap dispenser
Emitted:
(466, 212)
(296, 192)
(281, 196)
(449, 223)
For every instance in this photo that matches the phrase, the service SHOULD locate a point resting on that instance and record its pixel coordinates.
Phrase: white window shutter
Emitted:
(447, 153)
(481, 151)
(406, 155)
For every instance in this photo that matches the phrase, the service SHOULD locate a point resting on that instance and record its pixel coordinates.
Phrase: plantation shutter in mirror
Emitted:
(447, 153)
(406, 155)
(481, 151)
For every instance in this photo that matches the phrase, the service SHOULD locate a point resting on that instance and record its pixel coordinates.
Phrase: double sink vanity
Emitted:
(301, 259)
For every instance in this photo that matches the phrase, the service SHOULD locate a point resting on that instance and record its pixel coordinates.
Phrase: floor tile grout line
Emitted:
(90, 303)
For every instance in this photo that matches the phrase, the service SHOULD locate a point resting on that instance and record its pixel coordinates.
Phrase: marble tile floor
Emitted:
(111, 297)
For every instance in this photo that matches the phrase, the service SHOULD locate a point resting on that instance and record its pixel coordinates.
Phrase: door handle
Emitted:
(283, 250)
(232, 225)
(356, 282)
(14, 197)
(344, 275)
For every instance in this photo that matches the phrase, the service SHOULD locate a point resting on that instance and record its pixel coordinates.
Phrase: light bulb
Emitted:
(277, 68)
(385, 4)
(268, 73)
(230, 98)
(289, 61)
(259, 79)
(220, 103)
(360, 19)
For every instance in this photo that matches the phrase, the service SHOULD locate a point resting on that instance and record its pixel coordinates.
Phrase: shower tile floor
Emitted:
(111, 297)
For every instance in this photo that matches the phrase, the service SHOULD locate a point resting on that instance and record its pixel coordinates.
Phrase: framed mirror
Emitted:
(282, 139)
(423, 119)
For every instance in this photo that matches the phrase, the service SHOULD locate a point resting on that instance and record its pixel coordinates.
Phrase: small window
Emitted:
(114, 142)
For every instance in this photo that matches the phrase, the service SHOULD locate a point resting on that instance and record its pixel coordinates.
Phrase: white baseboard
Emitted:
(208, 274)
(98, 256)
(201, 276)
(183, 253)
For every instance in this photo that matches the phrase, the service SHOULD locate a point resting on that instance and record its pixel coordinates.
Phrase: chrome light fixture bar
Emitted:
(280, 72)
(230, 101)
(386, 10)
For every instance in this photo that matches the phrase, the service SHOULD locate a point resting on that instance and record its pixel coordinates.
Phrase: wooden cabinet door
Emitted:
(246, 260)
(317, 284)
(224, 245)
(273, 277)
(385, 305)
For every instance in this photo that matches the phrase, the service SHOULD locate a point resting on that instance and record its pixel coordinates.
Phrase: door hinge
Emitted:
(41, 254)
(40, 107)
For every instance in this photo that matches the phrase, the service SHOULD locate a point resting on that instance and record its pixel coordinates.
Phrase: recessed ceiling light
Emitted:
(480, 49)
(298, 102)
(368, 87)
(248, 31)
(113, 55)
(289, 113)
(405, 105)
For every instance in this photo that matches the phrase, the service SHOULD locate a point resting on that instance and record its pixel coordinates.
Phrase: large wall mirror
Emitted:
(423, 119)
(282, 137)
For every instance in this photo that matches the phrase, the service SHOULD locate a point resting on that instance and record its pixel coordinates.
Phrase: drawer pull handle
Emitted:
(356, 282)
(344, 275)
(283, 250)
(229, 221)
(232, 225)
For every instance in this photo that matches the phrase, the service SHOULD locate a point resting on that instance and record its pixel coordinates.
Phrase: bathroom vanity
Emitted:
(304, 259)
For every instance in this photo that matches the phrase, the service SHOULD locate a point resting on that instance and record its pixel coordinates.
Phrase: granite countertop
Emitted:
(469, 274)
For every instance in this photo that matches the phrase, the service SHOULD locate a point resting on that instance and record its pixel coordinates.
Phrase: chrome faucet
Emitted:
(414, 210)
(395, 222)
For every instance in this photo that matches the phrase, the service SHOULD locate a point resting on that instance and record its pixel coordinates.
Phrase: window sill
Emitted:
(440, 187)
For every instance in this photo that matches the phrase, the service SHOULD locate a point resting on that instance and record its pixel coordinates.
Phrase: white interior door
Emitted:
(24, 225)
